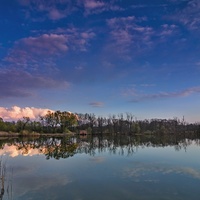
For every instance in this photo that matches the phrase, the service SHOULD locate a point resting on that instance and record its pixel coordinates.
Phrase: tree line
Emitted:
(66, 122)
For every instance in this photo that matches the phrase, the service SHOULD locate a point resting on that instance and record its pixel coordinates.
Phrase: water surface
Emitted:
(101, 168)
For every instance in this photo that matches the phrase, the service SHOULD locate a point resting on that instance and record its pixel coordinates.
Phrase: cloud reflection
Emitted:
(12, 151)
(141, 170)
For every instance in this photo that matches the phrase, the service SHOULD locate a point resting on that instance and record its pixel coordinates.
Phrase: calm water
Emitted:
(101, 168)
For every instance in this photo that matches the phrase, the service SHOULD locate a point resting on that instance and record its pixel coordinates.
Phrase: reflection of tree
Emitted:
(62, 151)
(120, 144)
(50, 147)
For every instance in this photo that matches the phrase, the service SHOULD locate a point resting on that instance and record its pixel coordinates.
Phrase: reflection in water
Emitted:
(5, 180)
(2, 178)
(103, 167)
(69, 146)
(140, 169)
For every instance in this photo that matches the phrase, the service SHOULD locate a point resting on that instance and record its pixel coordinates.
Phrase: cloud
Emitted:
(78, 39)
(55, 14)
(148, 5)
(96, 104)
(99, 6)
(188, 14)
(51, 9)
(16, 112)
(31, 49)
(52, 42)
(19, 83)
(92, 4)
(144, 97)
(131, 36)
(59, 9)
(33, 52)
(126, 35)
(167, 30)
(31, 62)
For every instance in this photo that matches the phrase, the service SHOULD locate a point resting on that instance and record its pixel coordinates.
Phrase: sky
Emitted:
(101, 57)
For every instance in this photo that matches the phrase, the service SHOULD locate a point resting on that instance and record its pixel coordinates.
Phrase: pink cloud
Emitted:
(33, 50)
(92, 4)
(15, 113)
(45, 44)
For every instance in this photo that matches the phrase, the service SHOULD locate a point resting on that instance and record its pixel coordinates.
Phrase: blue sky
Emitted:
(102, 57)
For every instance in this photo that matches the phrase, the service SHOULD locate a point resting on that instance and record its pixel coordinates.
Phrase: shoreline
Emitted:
(13, 134)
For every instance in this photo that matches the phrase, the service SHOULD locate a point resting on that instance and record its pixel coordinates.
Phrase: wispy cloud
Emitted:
(137, 96)
(126, 34)
(168, 30)
(16, 112)
(96, 104)
(189, 14)
(148, 5)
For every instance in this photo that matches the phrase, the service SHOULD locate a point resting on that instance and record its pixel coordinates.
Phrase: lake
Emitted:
(106, 167)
